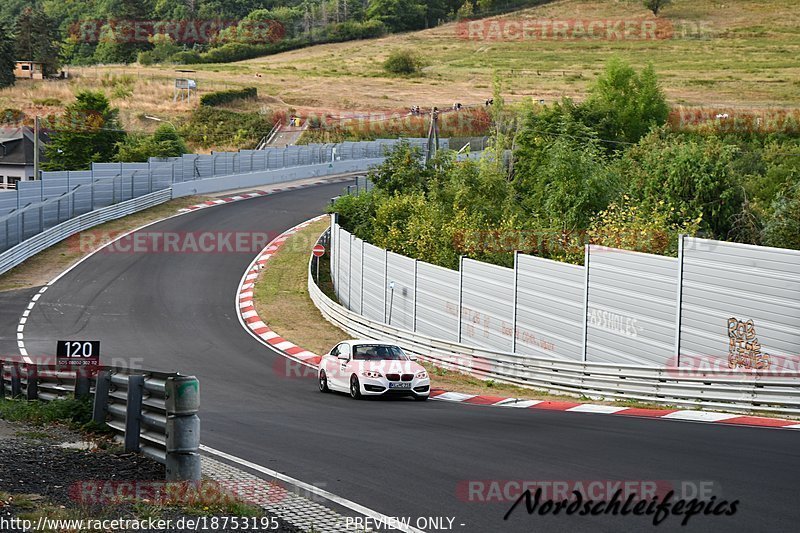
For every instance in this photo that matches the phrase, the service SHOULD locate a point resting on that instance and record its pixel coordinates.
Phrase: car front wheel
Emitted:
(323, 382)
(355, 388)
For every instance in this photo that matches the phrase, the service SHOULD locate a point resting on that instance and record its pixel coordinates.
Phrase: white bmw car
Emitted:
(370, 368)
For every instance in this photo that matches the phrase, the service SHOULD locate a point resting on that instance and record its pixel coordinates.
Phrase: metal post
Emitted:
(36, 148)
(133, 177)
(101, 390)
(678, 310)
(514, 313)
(391, 302)
(361, 302)
(133, 413)
(460, 293)
(70, 201)
(350, 272)
(182, 399)
(91, 197)
(586, 254)
(414, 309)
(32, 378)
(81, 383)
(16, 384)
(2, 382)
(385, 282)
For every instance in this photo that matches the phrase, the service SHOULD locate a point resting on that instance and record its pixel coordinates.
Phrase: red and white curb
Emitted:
(259, 193)
(252, 322)
(248, 316)
(575, 407)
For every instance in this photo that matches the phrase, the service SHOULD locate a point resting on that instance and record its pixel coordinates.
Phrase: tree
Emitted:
(402, 62)
(7, 78)
(398, 15)
(623, 105)
(656, 5)
(165, 142)
(37, 39)
(783, 229)
(87, 131)
(694, 177)
(402, 171)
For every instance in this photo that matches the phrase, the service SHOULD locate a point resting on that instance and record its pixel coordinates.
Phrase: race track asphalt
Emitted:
(401, 458)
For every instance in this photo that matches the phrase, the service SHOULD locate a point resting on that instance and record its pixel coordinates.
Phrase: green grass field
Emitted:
(742, 54)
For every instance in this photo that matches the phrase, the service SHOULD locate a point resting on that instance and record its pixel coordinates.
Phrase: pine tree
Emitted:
(6, 59)
(38, 39)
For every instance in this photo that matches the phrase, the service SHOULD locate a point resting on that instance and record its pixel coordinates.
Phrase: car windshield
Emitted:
(378, 352)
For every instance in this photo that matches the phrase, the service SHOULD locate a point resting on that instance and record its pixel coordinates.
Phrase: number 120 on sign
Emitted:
(78, 353)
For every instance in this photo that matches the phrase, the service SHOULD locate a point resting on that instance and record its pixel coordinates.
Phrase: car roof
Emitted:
(360, 342)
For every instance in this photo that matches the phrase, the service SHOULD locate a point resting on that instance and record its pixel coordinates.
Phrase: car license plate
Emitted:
(399, 385)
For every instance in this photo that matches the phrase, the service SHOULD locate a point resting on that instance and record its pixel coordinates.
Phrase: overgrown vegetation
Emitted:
(165, 142)
(606, 171)
(402, 63)
(76, 412)
(211, 126)
(217, 98)
(87, 131)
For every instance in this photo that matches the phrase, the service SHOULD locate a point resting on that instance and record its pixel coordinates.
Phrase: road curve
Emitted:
(401, 458)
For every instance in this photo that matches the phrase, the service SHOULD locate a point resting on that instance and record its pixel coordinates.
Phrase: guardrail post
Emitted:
(587, 256)
(133, 413)
(414, 312)
(460, 294)
(81, 383)
(16, 384)
(516, 303)
(679, 301)
(182, 401)
(2, 381)
(101, 390)
(32, 379)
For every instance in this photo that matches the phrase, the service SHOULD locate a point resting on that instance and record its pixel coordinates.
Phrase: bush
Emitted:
(145, 58)
(210, 126)
(165, 142)
(187, 57)
(224, 97)
(403, 63)
(783, 229)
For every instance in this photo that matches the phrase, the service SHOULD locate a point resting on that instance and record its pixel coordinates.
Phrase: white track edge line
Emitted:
(353, 506)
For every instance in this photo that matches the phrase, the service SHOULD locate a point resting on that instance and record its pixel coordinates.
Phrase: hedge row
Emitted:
(224, 97)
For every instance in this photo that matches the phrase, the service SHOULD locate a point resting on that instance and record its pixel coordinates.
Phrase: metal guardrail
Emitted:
(743, 391)
(154, 413)
(32, 246)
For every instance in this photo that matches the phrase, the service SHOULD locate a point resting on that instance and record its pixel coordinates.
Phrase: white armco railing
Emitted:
(41, 241)
(736, 390)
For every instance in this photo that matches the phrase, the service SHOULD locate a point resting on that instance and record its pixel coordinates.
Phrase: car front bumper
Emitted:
(382, 386)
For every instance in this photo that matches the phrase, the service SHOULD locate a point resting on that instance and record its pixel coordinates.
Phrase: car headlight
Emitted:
(371, 374)
(422, 375)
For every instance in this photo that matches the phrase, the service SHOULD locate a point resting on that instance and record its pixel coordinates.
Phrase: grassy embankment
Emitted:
(743, 54)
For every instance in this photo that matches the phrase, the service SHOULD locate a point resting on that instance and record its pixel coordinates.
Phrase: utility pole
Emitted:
(433, 135)
(36, 148)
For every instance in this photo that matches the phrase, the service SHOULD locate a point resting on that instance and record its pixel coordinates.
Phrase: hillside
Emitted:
(743, 54)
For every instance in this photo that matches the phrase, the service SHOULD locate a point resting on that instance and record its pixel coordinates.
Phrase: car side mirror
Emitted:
(412, 357)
